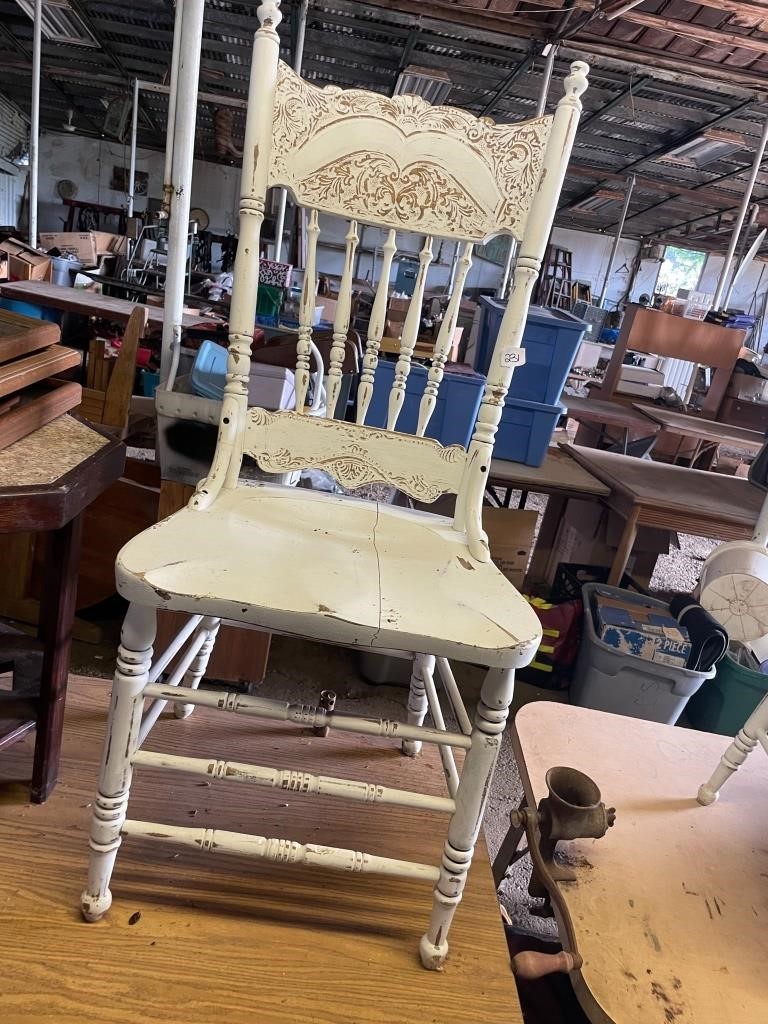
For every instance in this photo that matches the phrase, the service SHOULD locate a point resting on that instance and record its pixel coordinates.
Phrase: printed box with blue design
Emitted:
(632, 626)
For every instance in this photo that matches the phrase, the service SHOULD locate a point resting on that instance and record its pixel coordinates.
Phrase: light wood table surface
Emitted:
(560, 477)
(706, 432)
(647, 493)
(198, 938)
(87, 303)
(670, 907)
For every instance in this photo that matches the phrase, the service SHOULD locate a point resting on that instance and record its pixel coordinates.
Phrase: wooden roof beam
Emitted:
(691, 30)
(666, 188)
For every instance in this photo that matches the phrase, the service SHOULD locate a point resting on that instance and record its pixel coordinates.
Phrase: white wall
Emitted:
(89, 163)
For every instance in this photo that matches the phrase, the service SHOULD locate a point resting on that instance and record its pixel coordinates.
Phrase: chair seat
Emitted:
(332, 568)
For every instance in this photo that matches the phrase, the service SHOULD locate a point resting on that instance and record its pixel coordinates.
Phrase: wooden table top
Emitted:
(87, 303)
(670, 907)
(707, 430)
(558, 474)
(194, 938)
(673, 490)
(614, 414)
(49, 453)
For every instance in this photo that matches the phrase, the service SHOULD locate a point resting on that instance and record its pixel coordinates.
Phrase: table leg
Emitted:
(57, 614)
(553, 515)
(624, 550)
(523, 499)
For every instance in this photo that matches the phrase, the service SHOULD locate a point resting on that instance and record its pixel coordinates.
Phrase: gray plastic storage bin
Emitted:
(609, 680)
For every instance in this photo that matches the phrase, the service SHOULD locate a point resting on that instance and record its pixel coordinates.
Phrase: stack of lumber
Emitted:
(29, 356)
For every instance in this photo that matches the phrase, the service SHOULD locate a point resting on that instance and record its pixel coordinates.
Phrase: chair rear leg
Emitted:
(417, 700)
(471, 798)
(753, 732)
(194, 674)
(122, 739)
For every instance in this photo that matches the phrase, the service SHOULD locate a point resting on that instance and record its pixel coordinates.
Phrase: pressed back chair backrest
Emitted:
(402, 165)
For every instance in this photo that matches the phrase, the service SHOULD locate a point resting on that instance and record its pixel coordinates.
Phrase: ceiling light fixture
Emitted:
(599, 201)
(710, 146)
(432, 86)
(60, 23)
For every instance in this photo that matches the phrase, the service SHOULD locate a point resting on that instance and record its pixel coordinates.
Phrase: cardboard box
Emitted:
(81, 244)
(510, 538)
(590, 534)
(108, 244)
(632, 626)
(23, 263)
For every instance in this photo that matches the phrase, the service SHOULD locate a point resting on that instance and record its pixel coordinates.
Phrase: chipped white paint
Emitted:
(375, 330)
(353, 455)
(279, 851)
(307, 314)
(341, 320)
(408, 337)
(371, 575)
(754, 732)
(294, 781)
(306, 715)
(443, 343)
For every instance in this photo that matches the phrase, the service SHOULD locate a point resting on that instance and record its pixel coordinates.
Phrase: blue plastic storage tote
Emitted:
(551, 340)
(453, 419)
(29, 309)
(525, 430)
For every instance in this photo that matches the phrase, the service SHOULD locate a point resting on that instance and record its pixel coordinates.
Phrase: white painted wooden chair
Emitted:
(331, 567)
(753, 732)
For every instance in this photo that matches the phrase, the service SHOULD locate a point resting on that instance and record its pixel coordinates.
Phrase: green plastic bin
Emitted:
(723, 704)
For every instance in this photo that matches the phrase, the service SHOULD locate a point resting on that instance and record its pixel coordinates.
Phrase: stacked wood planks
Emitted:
(29, 357)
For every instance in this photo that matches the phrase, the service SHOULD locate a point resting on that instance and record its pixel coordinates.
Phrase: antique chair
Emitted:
(381, 577)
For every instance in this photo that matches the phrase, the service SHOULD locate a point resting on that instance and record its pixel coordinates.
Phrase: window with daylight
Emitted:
(681, 269)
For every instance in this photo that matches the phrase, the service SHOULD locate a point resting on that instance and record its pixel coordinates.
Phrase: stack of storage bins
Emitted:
(551, 340)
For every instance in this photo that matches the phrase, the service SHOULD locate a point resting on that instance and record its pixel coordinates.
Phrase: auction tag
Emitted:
(512, 357)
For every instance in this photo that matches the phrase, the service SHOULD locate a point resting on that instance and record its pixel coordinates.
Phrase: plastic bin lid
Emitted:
(542, 315)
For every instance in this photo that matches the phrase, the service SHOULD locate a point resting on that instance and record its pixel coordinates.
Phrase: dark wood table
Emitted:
(707, 433)
(596, 415)
(87, 303)
(647, 493)
(560, 477)
(47, 480)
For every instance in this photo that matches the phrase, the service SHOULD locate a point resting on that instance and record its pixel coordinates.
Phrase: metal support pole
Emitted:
(454, 267)
(180, 187)
(754, 210)
(502, 290)
(34, 126)
(550, 63)
(725, 272)
(173, 83)
(616, 240)
(297, 59)
(134, 134)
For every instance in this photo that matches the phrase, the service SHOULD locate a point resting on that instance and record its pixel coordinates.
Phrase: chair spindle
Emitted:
(443, 343)
(409, 336)
(375, 330)
(341, 321)
(307, 314)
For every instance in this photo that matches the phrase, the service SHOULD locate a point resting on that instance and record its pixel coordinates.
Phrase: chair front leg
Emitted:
(754, 731)
(471, 797)
(131, 675)
(417, 700)
(194, 674)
